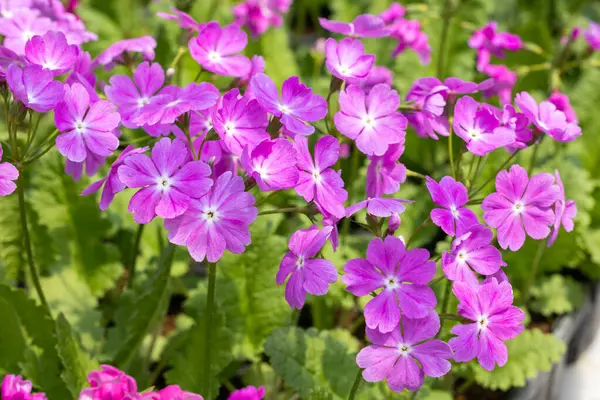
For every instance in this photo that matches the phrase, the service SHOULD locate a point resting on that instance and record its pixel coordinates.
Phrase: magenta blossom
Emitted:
(371, 120)
(564, 211)
(260, 15)
(317, 181)
(393, 13)
(185, 20)
(504, 80)
(401, 274)
(428, 96)
(216, 48)
(298, 104)
(91, 164)
(15, 388)
(406, 354)
(115, 53)
(8, 174)
(520, 202)
(272, 163)
(562, 103)
(376, 76)
(472, 251)
(384, 173)
(592, 36)
(216, 222)
(488, 41)
(7, 58)
(22, 26)
(307, 274)
(479, 128)
(240, 122)
(347, 59)
(365, 25)
(34, 87)
(109, 384)
(495, 320)
(409, 35)
(454, 218)
(174, 392)
(515, 123)
(168, 181)
(248, 393)
(379, 207)
(52, 52)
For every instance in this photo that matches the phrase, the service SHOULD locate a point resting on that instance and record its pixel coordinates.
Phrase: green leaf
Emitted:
(529, 353)
(280, 61)
(320, 394)
(13, 343)
(556, 295)
(76, 363)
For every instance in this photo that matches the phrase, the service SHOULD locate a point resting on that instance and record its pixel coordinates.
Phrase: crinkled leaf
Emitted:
(556, 295)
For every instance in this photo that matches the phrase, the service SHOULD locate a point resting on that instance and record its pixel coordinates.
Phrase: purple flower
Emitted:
(347, 60)
(402, 274)
(371, 120)
(83, 74)
(185, 20)
(479, 128)
(504, 81)
(216, 48)
(307, 274)
(562, 103)
(376, 76)
(85, 127)
(7, 58)
(240, 122)
(592, 36)
(174, 392)
(384, 174)
(409, 36)
(517, 123)
(272, 163)
(393, 13)
(472, 251)
(115, 52)
(8, 174)
(379, 207)
(216, 222)
(15, 388)
(22, 26)
(34, 87)
(131, 95)
(520, 202)
(454, 218)
(317, 181)
(92, 164)
(487, 41)
(111, 182)
(168, 181)
(259, 15)
(109, 384)
(248, 393)
(428, 96)
(365, 25)
(298, 104)
(494, 318)
(564, 211)
(52, 52)
(406, 354)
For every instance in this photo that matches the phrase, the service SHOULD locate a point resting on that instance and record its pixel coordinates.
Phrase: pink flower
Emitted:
(347, 59)
(393, 13)
(174, 392)
(317, 181)
(428, 95)
(15, 388)
(564, 211)
(454, 218)
(240, 122)
(52, 52)
(562, 103)
(406, 354)
(376, 76)
(260, 15)
(520, 202)
(22, 26)
(592, 36)
(384, 173)
(85, 128)
(7, 58)
(514, 123)
(216, 222)
(307, 274)
(495, 320)
(472, 250)
(185, 20)
(401, 274)
(114, 53)
(487, 41)
(34, 87)
(8, 174)
(248, 393)
(168, 181)
(365, 25)
(92, 164)
(371, 121)
(379, 207)
(504, 81)
(298, 104)
(410, 36)
(216, 48)
(109, 384)
(272, 163)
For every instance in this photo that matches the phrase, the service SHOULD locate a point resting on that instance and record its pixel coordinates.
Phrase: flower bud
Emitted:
(393, 223)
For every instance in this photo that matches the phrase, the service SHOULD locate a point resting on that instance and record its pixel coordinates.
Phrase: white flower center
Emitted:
(391, 282)
(284, 109)
(214, 56)
(316, 174)
(208, 124)
(259, 169)
(404, 349)
(27, 34)
(142, 101)
(518, 207)
(454, 211)
(229, 128)
(300, 262)
(344, 69)
(482, 322)
(210, 215)
(49, 65)
(79, 126)
(474, 134)
(163, 183)
(462, 256)
(368, 122)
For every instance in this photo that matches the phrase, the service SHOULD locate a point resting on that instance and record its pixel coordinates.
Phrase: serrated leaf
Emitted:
(556, 295)
(529, 353)
(320, 394)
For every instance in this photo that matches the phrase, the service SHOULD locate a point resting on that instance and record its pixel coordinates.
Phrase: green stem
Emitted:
(423, 224)
(198, 75)
(284, 210)
(414, 174)
(493, 176)
(445, 302)
(180, 52)
(355, 385)
(534, 268)
(446, 18)
(536, 148)
(353, 175)
(451, 153)
(210, 309)
(134, 255)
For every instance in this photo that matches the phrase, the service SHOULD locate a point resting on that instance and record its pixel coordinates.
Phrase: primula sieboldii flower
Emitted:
(144, 45)
(83, 73)
(372, 120)
(592, 36)
(272, 163)
(216, 222)
(240, 122)
(257, 67)
(365, 25)
(379, 207)
(520, 205)
(564, 211)
(393, 13)
(472, 251)
(504, 80)
(85, 127)
(111, 182)
(401, 274)
(384, 173)
(562, 103)
(307, 274)
(216, 50)
(454, 218)
(247, 393)
(298, 104)
(376, 76)
(495, 320)
(130, 96)
(409, 35)
(260, 15)
(15, 388)
(406, 354)
(91, 164)
(479, 128)
(109, 383)
(34, 87)
(22, 26)
(168, 181)
(8, 174)
(547, 118)
(7, 58)
(347, 59)
(52, 52)
(488, 41)
(428, 95)
(514, 123)
(317, 181)
(185, 20)
(174, 392)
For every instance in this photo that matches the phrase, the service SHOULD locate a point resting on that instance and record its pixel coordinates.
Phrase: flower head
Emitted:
(564, 211)
(347, 59)
(495, 320)
(384, 173)
(24, 24)
(393, 13)
(379, 207)
(520, 202)
(562, 103)
(488, 41)
(8, 174)
(34, 87)
(248, 393)
(116, 51)
(454, 218)
(409, 35)
(174, 392)
(592, 36)
(371, 120)
(512, 121)
(401, 274)
(272, 163)
(260, 15)
(365, 25)
(376, 76)
(406, 354)
(52, 52)
(15, 388)
(504, 80)
(185, 20)
(109, 384)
